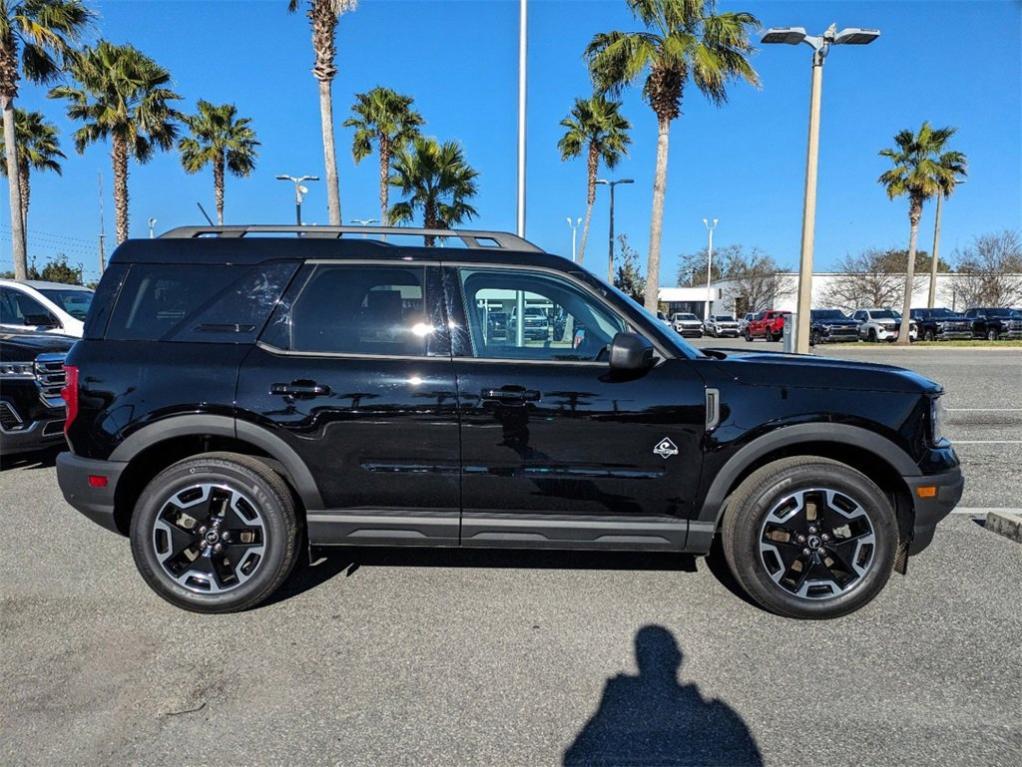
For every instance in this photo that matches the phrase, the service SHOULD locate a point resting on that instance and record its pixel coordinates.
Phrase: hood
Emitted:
(835, 322)
(806, 371)
(24, 347)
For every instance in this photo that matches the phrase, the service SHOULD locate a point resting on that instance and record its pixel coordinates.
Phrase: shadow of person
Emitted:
(651, 719)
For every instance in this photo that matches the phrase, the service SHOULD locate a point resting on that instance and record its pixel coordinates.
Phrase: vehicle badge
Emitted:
(665, 448)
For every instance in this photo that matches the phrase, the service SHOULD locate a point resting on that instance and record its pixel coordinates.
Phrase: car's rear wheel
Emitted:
(809, 537)
(215, 533)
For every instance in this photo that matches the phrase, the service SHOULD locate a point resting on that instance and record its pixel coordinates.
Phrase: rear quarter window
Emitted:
(216, 303)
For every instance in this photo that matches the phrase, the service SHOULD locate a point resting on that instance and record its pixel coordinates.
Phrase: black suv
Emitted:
(236, 396)
(831, 325)
(941, 324)
(995, 322)
(31, 379)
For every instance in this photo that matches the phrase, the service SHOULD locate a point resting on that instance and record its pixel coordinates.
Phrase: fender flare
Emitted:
(225, 426)
(785, 436)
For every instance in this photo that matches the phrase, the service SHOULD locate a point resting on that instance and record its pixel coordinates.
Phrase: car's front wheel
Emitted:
(991, 334)
(215, 533)
(809, 537)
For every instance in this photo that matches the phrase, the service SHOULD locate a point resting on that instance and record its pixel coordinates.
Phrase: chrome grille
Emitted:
(49, 371)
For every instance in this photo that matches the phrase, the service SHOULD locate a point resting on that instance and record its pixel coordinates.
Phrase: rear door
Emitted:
(354, 373)
(556, 450)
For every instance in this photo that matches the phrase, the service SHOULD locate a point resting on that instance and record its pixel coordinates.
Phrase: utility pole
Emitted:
(523, 28)
(610, 243)
(102, 233)
(821, 47)
(709, 263)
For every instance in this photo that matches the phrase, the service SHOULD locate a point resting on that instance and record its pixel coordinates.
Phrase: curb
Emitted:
(1006, 524)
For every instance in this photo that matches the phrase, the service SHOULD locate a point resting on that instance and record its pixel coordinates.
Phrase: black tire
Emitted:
(872, 335)
(744, 531)
(269, 554)
(991, 334)
(929, 335)
(748, 336)
(814, 338)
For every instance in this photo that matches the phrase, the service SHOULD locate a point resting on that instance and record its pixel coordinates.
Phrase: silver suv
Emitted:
(882, 325)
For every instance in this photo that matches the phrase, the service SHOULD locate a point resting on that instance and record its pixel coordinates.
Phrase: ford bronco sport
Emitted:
(237, 397)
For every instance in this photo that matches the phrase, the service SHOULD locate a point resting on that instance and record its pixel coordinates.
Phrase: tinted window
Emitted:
(103, 301)
(15, 306)
(357, 310)
(827, 314)
(578, 327)
(193, 302)
(74, 302)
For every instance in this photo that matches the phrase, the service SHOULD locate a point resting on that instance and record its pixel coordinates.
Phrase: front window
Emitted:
(547, 318)
(17, 308)
(828, 314)
(885, 314)
(74, 302)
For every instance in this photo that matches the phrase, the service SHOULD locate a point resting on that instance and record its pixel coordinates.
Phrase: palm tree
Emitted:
(436, 180)
(41, 33)
(220, 140)
(38, 149)
(596, 127)
(323, 17)
(685, 39)
(121, 94)
(921, 168)
(384, 117)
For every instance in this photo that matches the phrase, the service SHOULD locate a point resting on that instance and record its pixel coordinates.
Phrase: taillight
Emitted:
(70, 394)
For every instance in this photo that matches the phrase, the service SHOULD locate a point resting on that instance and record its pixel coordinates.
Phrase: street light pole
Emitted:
(365, 222)
(523, 28)
(574, 230)
(709, 263)
(821, 47)
(610, 243)
(300, 192)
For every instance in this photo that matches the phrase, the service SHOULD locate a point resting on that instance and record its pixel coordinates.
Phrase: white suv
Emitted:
(46, 307)
(882, 325)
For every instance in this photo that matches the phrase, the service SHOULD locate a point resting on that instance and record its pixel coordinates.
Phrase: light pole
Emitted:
(523, 29)
(709, 263)
(300, 192)
(935, 255)
(574, 230)
(821, 47)
(152, 228)
(610, 243)
(365, 222)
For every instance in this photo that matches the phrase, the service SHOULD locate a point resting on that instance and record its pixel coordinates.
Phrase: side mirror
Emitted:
(630, 352)
(42, 320)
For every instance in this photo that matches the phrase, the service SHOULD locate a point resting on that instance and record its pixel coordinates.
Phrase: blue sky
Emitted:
(953, 63)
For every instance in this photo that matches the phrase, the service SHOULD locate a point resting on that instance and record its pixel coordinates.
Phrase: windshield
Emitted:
(885, 314)
(685, 317)
(942, 313)
(828, 314)
(724, 318)
(74, 302)
(687, 349)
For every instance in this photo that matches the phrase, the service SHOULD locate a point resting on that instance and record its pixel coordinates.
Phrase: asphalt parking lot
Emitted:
(383, 657)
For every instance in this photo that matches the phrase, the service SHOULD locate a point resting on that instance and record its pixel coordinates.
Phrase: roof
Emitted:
(44, 285)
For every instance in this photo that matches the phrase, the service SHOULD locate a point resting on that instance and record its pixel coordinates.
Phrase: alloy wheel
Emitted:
(817, 543)
(209, 538)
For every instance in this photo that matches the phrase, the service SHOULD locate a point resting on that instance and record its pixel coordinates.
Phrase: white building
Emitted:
(725, 295)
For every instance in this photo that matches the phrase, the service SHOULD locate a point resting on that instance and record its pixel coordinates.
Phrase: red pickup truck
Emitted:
(768, 325)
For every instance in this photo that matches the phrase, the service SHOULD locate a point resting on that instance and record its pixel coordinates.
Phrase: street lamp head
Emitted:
(283, 177)
(856, 36)
(626, 181)
(786, 35)
(602, 181)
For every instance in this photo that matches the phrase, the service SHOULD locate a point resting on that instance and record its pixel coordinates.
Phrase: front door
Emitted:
(557, 450)
(354, 373)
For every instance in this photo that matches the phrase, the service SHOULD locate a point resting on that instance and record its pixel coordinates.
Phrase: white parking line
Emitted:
(978, 512)
(984, 409)
(986, 442)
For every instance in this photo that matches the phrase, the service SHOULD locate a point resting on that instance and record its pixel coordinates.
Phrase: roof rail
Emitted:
(475, 239)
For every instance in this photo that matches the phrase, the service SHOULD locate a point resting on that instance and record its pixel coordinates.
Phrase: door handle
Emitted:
(511, 394)
(300, 389)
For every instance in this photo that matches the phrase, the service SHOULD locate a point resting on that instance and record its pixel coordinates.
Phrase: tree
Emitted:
(597, 128)
(385, 118)
(37, 149)
(121, 94)
(628, 278)
(684, 39)
(324, 15)
(751, 278)
(921, 168)
(36, 40)
(870, 278)
(990, 271)
(222, 140)
(436, 180)
(59, 270)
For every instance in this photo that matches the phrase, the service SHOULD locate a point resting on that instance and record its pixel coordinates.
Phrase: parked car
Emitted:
(43, 307)
(688, 325)
(343, 391)
(721, 326)
(941, 324)
(496, 326)
(663, 318)
(743, 322)
(536, 326)
(877, 324)
(993, 323)
(831, 325)
(31, 377)
(768, 325)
